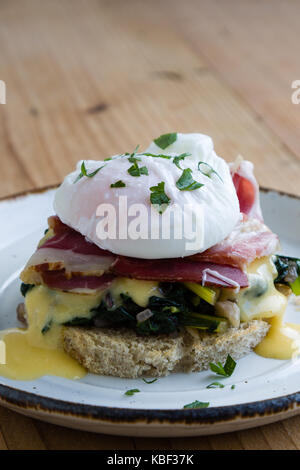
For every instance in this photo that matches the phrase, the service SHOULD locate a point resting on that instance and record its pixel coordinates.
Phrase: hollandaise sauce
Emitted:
(263, 301)
(27, 362)
(282, 340)
(38, 350)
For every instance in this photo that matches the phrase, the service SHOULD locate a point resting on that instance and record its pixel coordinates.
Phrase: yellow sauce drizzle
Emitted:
(26, 362)
(31, 354)
(282, 340)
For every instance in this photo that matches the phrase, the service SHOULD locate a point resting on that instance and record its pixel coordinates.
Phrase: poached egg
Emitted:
(213, 204)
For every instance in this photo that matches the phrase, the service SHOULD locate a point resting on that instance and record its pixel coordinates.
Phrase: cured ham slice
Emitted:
(68, 255)
(247, 189)
(80, 284)
(251, 239)
(179, 270)
(65, 238)
(54, 259)
(67, 250)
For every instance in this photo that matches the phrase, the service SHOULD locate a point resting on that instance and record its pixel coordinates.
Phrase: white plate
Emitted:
(266, 390)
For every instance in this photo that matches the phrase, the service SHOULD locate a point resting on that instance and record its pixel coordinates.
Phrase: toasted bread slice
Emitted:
(122, 353)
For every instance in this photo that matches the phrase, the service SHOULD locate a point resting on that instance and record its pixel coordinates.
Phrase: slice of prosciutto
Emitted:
(180, 270)
(251, 239)
(78, 284)
(246, 186)
(67, 260)
(68, 250)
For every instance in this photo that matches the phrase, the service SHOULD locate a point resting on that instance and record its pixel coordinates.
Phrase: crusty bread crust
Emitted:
(122, 353)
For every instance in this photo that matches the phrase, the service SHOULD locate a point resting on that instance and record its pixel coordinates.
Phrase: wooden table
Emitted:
(86, 79)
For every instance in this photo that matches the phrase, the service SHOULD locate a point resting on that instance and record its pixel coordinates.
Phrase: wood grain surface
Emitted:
(89, 78)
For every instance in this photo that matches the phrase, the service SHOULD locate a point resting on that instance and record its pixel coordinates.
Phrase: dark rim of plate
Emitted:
(32, 401)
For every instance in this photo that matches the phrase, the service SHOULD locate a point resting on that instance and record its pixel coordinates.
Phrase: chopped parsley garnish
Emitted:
(226, 370)
(196, 404)
(84, 172)
(131, 392)
(118, 184)
(135, 170)
(177, 159)
(149, 381)
(232, 387)
(133, 159)
(159, 197)
(186, 181)
(215, 385)
(165, 140)
(208, 170)
(131, 155)
(160, 155)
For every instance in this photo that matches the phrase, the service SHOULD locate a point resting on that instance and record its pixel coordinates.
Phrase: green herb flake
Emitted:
(180, 157)
(215, 385)
(136, 171)
(133, 159)
(186, 181)
(131, 392)
(226, 370)
(232, 387)
(160, 155)
(208, 170)
(176, 159)
(149, 381)
(196, 404)
(84, 172)
(118, 184)
(132, 155)
(165, 140)
(159, 197)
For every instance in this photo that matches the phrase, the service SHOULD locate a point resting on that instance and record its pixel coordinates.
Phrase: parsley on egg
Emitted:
(84, 172)
(186, 181)
(158, 197)
(118, 184)
(165, 140)
(208, 170)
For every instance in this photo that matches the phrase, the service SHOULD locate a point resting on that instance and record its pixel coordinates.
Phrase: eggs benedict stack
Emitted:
(121, 297)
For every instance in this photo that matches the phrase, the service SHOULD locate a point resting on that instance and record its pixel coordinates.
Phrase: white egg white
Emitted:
(76, 203)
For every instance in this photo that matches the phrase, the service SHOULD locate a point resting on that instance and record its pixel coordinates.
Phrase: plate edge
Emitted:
(30, 401)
